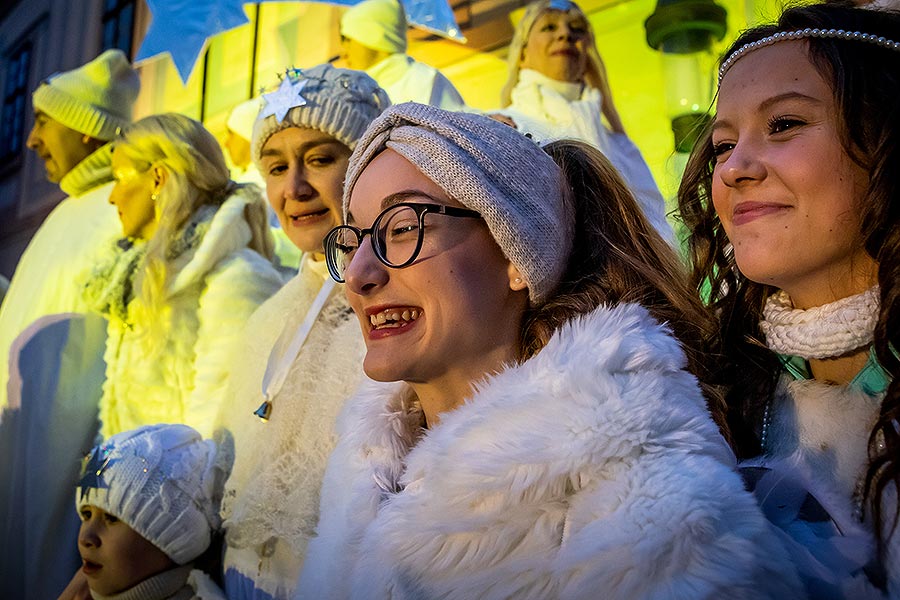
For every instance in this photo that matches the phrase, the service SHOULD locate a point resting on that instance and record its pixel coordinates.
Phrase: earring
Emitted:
(154, 197)
(85, 139)
(518, 280)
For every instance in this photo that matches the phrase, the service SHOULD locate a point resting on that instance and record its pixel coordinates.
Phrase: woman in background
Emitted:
(194, 263)
(558, 88)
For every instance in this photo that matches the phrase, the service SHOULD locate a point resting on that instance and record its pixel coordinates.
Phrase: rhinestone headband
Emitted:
(799, 34)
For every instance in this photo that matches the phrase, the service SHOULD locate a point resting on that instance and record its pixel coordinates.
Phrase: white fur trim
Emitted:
(593, 468)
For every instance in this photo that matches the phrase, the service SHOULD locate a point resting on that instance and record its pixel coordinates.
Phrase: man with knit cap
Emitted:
(51, 350)
(76, 114)
(373, 39)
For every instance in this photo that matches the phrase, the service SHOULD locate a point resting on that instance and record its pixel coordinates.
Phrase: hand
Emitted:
(77, 589)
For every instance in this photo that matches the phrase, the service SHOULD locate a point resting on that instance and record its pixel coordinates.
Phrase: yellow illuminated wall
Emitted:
(305, 34)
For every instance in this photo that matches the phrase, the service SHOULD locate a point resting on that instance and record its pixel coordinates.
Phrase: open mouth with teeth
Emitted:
(395, 317)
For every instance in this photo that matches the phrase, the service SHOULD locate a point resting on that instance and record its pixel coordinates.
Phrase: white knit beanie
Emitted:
(377, 24)
(95, 99)
(163, 481)
(339, 102)
(243, 117)
(488, 167)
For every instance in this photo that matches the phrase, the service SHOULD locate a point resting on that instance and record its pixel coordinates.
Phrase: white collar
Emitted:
(569, 91)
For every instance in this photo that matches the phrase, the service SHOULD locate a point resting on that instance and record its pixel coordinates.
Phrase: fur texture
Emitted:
(818, 441)
(210, 298)
(591, 470)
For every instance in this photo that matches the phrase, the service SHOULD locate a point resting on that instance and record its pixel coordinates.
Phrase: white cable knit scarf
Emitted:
(821, 332)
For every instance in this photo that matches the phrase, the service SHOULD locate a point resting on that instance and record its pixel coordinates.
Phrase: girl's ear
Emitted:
(516, 280)
(159, 176)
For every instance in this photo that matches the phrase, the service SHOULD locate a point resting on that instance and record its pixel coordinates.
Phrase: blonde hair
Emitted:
(195, 176)
(593, 73)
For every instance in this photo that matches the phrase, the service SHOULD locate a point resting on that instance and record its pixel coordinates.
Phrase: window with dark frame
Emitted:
(118, 25)
(15, 103)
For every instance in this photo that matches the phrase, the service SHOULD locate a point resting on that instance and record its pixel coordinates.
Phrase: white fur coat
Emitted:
(217, 287)
(592, 470)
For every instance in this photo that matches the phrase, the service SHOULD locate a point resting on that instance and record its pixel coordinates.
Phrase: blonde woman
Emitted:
(558, 87)
(194, 262)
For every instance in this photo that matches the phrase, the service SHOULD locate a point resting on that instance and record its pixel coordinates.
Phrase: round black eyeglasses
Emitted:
(397, 236)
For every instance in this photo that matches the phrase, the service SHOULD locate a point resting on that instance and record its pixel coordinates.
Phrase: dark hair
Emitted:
(617, 256)
(865, 80)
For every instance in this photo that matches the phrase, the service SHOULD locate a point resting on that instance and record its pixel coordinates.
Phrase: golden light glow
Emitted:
(305, 34)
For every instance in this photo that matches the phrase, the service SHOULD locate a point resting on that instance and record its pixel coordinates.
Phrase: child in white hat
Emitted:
(148, 501)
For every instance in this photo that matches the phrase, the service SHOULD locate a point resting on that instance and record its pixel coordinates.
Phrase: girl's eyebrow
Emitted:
(396, 198)
(768, 103)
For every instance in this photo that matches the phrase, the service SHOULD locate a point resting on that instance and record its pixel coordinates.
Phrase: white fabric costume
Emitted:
(50, 381)
(49, 275)
(271, 503)
(407, 80)
(217, 284)
(381, 25)
(818, 441)
(591, 470)
(550, 109)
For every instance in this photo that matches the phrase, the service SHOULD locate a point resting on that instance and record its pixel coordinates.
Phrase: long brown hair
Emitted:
(617, 256)
(865, 80)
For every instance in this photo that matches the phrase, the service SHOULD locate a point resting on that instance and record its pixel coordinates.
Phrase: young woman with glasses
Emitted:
(531, 428)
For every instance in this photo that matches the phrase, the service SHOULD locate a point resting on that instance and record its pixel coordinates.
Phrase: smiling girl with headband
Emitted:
(792, 199)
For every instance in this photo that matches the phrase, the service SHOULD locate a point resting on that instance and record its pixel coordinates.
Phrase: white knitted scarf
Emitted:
(821, 332)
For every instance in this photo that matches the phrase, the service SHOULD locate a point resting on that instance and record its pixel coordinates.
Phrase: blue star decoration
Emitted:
(287, 96)
(92, 470)
(435, 16)
(182, 28)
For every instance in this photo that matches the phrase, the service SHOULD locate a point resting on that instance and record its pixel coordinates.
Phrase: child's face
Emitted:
(115, 556)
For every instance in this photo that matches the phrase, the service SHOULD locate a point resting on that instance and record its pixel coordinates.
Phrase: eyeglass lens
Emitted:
(395, 237)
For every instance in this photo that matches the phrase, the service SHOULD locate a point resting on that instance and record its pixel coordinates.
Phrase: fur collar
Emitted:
(580, 470)
(227, 233)
(518, 416)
